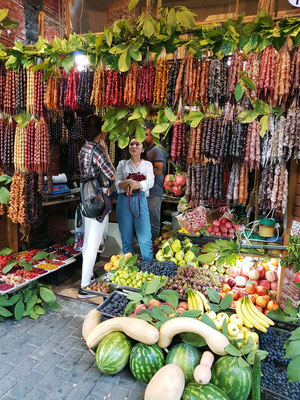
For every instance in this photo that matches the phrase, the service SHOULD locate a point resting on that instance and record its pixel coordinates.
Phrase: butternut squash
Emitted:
(215, 340)
(90, 322)
(167, 384)
(202, 373)
(136, 329)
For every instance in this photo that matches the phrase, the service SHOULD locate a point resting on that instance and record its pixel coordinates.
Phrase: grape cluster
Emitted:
(167, 268)
(274, 367)
(195, 278)
(116, 306)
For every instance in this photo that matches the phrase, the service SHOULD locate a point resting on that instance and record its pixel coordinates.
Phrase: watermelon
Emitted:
(113, 353)
(194, 391)
(145, 361)
(186, 356)
(234, 380)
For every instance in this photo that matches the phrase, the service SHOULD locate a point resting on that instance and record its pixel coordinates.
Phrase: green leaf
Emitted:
(148, 28)
(293, 370)
(226, 301)
(206, 320)
(214, 307)
(238, 91)
(208, 258)
(185, 19)
(145, 316)
(10, 23)
(19, 310)
(4, 180)
(39, 310)
(293, 349)
(233, 351)
(123, 141)
(242, 363)
(140, 133)
(14, 299)
(130, 307)
(193, 339)
(153, 286)
(132, 4)
(213, 295)
(250, 116)
(68, 63)
(124, 62)
(295, 335)
(40, 255)
(190, 314)
(4, 195)
(160, 127)
(224, 328)
(135, 54)
(33, 315)
(4, 302)
(47, 295)
(247, 347)
(31, 302)
(167, 309)
(170, 296)
(169, 114)
(158, 315)
(196, 122)
(6, 251)
(226, 48)
(264, 121)
(135, 296)
(3, 13)
(9, 266)
(4, 312)
(249, 82)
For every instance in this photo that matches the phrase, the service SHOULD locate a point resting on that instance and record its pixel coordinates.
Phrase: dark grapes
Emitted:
(274, 367)
(167, 268)
(115, 306)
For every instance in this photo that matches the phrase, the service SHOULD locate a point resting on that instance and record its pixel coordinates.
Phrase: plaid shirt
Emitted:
(99, 163)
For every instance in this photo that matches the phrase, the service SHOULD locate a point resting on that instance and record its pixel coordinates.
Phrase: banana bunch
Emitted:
(251, 316)
(197, 301)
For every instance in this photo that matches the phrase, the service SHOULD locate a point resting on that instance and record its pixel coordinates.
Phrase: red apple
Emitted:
(253, 282)
(261, 290)
(253, 274)
(273, 305)
(262, 271)
(139, 309)
(236, 293)
(250, 288)
(265, 283)
(226, 288)
(271, 276)
(297, 277)
(183, 304)
(230, 282)
(274, 286)
(261, 301)
(234, 272)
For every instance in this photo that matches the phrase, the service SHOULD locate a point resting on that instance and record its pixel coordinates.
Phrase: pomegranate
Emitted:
(179, 180)
(297, 277)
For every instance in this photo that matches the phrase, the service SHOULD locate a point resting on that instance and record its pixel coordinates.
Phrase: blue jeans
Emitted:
(154, 204)
(127, 224)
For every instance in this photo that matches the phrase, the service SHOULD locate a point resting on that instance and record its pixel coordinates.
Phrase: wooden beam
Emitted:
(12, 235)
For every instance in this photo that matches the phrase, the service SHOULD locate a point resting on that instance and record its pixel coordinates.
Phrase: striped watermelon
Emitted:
(145, 361)
(193, 391)
(186, 356)
(231, 378)
(113, 353)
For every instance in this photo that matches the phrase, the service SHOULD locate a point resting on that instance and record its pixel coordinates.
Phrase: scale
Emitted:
(59, 188)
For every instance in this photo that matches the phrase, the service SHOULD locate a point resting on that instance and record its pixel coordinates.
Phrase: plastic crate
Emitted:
(106, 303)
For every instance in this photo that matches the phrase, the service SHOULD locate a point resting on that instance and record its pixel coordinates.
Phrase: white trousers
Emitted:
(93, 234)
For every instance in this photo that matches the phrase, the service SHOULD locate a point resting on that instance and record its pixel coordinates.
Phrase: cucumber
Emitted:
(255, 395)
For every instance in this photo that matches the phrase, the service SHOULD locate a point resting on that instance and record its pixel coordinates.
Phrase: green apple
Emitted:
(254, 336)
(222, 315)
(240, 336)
(219, 323)
(244, 329)
(211, 314)
(233, 329)
(236, 319)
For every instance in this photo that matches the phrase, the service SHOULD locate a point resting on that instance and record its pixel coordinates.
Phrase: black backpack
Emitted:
(92, 201)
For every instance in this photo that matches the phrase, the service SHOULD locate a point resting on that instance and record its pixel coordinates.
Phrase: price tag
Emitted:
(295, 3)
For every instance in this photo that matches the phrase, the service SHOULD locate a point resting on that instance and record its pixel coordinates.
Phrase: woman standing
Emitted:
(134, 178)
(103, 169)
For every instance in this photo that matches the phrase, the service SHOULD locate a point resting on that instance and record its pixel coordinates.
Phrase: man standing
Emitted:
(157, 157)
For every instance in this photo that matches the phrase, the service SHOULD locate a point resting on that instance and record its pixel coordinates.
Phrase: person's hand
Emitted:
(103, 144)
(128, 190)
(134, 184)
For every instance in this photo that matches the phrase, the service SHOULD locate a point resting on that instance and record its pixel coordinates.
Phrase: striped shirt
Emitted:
(100, 165)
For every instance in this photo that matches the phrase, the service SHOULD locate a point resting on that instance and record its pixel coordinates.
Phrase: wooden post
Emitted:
(237, 8)
(12, 235)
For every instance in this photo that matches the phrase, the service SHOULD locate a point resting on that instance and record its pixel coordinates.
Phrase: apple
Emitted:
(154, 302)
(261, 290)
(226, 288)
(250, 289)
(139, 309)
(265, 283)
(272, 305)
(254, 336)
(233, 329)
(297, 277)
(246, 269)
(255, 283)
(184, 305)
(267, 297)
(253, 274)
(221, 316)
(236, 319)
(274, 285)
(236, 293)
(261, 301)
(252, 298)
(230, 282)
(211, 314)
(240, 281)
(262, 271)
(271, 276)
(234, 272)
(180, 310)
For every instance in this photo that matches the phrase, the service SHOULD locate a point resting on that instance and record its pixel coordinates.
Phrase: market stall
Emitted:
(225, 104)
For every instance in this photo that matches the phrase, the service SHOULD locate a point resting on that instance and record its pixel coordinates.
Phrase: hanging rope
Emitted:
(67, 15)
(41, 22)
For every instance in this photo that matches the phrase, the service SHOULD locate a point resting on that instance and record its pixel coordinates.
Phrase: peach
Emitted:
(267, 297)
(250, 289)
(261, 301)
(252, 298)
(265, 283)
(180, 310)
(236, 294)
(184, 305)
(271, 276)
(273, 305)
(154, 302)
(261, 290)
(262, 271)
(253, 274)
(274, 262)
(259, 308)
(139, 309)
(274, 286)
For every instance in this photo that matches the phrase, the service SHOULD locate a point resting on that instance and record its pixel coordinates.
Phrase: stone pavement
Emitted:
(48, 359)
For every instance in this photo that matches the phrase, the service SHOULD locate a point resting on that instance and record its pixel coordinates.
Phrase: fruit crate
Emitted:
(124, 288)
(267, 394)
(105, 277)
(102, 308)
